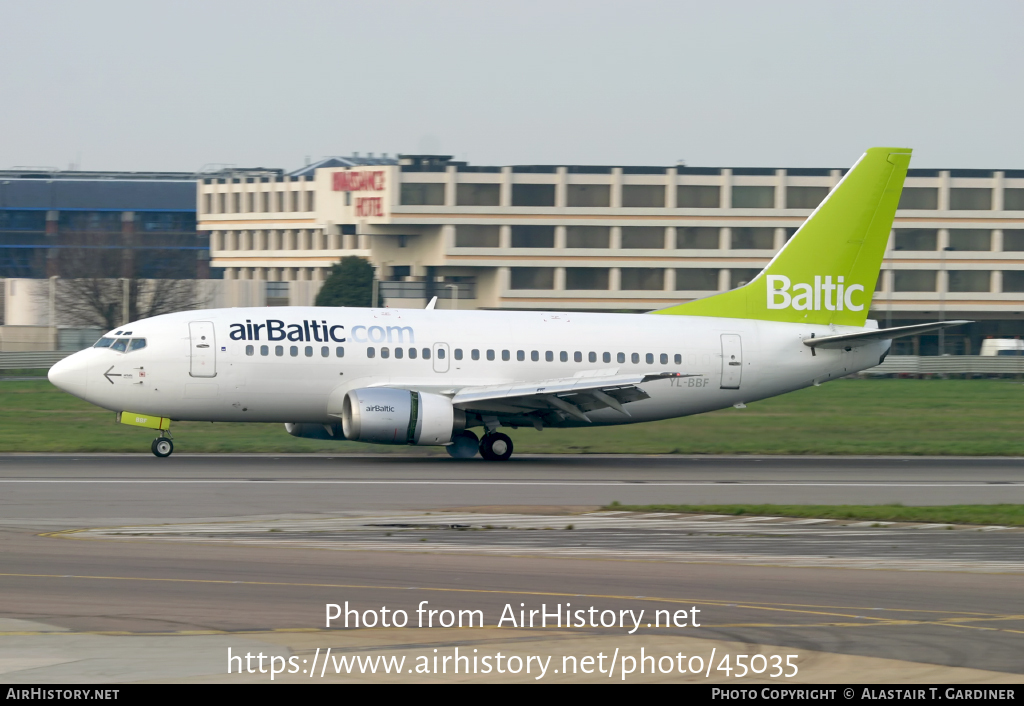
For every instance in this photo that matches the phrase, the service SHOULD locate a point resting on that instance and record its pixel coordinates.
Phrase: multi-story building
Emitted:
(612, 238)
(130, 223)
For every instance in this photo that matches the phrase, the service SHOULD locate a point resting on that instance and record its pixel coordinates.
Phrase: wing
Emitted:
(572, 397)
(852, 340)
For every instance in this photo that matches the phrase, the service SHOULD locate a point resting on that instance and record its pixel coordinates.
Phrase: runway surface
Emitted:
(131, 567)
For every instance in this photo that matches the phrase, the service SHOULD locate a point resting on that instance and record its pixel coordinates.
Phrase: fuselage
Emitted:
(295, 364)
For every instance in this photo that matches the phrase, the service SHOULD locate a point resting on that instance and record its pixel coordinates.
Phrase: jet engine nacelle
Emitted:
(383, 415)
(308, 430)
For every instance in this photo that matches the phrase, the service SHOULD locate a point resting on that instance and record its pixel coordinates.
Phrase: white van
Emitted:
(1002, 346)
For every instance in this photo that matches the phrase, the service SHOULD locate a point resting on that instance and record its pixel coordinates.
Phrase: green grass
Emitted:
(1008, 515)
(886, 417)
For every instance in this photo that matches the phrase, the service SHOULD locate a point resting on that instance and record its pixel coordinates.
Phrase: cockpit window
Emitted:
(103, 343)
(120, 344)
(136, 344)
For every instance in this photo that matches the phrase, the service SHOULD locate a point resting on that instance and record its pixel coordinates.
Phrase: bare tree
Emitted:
(94, 277)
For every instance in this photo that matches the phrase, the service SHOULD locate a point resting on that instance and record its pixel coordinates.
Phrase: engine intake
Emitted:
(383, 415)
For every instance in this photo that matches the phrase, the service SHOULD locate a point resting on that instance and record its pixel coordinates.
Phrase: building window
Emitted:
(1013, 280)
(422, 195)
(641, 237)
(970, 239)
(1013, 199)
(310, 200)
(587, 236)
(532, 277)
(636, 196)
(477, 236)
(805, 196)
(207, 203)
(753, 197)
(533, 236)
(739, 276)
(265, 200)
(919, 198)
(696, 279)
(697, 238)
(533, 194)
(970, 199)
(588, 195)
(1013, 240)
(970, 280)
(586, 278)
(917, 239)
(277, 294)
(642, 278)
(698, 196)
(280, 202)
(478, 194)
(914, 280)
(753, 238)
(222, 200)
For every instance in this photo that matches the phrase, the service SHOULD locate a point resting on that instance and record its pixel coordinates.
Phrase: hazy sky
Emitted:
(177, 85)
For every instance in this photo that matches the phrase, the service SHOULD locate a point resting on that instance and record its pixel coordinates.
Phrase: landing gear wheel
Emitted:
(162, 447)
(496, 447)
(464, 445)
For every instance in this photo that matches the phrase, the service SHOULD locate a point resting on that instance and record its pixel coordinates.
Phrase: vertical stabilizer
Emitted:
(827, 271)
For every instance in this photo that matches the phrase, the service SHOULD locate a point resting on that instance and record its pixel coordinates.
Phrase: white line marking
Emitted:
(639, 484)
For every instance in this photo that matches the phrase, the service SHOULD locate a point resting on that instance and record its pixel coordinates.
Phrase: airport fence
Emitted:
(24, 360)
(985, 365)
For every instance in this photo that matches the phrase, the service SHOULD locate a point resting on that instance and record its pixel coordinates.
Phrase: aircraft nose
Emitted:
(70, 374)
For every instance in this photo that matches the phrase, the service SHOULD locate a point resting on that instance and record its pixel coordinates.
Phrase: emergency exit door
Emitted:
(203, 349)
(732, 361)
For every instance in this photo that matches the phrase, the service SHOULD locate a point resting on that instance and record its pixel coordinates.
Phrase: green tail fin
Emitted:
(827, 271)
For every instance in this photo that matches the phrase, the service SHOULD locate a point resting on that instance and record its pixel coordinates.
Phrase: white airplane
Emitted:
(428, 377)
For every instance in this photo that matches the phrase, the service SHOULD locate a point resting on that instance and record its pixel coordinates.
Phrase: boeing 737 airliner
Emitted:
(429, 377)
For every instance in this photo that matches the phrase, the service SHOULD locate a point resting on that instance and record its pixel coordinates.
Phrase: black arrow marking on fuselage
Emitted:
(109, 375)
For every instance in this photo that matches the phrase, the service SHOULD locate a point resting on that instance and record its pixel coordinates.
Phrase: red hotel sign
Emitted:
(358, 181)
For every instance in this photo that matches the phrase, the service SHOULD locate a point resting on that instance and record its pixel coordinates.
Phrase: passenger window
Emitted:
(371, 352)
(137, 344)
(278, 350)
(103, 343)
(398, 352)
(606, 357)
(679, 359)
(309, 351)
(520, 355)
(620, 357)
(412, 354)
(458, 354)
(339, 352)
(293, 351)
(426, 354)
(490, 354)
(650, 358)
(549, 356)
(475, 354)
(635, 358)
(577, 357)
(535, 356)
(592, 357)
(440, 353)
(385, 352)
(505, 355)
(249, 350)
(120, 344)
(264, 350)
(664, 358)
(325, 352)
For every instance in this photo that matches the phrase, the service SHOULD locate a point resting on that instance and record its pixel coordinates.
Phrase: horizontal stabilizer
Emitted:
(852, 340)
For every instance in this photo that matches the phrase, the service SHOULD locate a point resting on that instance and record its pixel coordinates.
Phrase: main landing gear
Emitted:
(493, 447)
(496, 447)
(162, 447)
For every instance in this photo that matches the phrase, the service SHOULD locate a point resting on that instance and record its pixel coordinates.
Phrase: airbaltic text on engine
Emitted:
(320, 331)
(811, 297)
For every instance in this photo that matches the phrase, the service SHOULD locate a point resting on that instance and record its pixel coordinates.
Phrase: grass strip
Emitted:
(1005, 515)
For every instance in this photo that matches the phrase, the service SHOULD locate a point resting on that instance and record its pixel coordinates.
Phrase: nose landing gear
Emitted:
(162, 446)
(496, 447)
